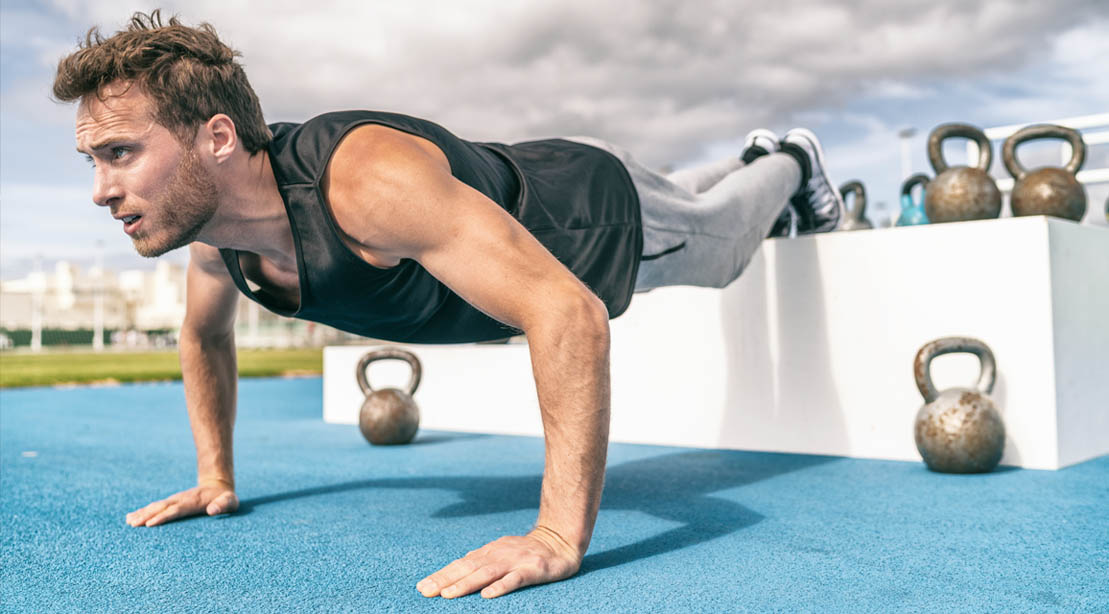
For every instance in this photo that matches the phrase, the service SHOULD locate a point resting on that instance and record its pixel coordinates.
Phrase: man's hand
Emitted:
(215, 497)
(505, 565)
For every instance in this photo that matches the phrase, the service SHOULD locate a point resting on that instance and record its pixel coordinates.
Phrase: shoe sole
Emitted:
(808, 135)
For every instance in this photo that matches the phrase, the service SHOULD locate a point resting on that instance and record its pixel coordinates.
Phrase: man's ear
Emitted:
(219, 137)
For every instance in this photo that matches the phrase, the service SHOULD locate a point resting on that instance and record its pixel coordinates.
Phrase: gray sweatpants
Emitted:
(701, 226)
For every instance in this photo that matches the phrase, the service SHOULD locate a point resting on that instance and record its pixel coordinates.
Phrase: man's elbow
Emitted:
(579, 314)
(589, 316)
(206, 336)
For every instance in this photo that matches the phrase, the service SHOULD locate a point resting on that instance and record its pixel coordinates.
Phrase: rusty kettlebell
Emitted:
(958, 430)
(961, 193)
(856, 215)
(1047, 190)
(389, 416)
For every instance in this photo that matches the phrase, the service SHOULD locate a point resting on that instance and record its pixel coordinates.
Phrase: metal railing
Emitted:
(1094, 129)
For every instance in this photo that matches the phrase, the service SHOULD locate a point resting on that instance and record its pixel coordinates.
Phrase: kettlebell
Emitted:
(961, 193)
(958, 430)
(389, 416)
(1047, 190)
(856, 215)
(912, 213)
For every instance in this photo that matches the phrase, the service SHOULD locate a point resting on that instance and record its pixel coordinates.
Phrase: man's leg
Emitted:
(706, 239)
(700, 178)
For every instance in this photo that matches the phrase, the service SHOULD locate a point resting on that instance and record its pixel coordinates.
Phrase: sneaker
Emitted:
(758, 143)
(818, 203)
(785, 225)
(761, 142)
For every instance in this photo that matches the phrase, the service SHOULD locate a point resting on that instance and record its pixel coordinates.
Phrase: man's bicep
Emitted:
(488, 258)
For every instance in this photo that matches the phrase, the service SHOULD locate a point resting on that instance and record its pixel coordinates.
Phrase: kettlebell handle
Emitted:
(922, 366)
(919, 179)
(385, 354)
(1043, 131)
(946, 131)
(855, 187)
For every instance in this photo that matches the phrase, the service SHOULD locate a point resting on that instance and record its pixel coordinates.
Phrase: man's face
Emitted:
(161, 191)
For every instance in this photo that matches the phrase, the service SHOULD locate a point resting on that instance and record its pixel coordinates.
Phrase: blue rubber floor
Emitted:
(331, 524)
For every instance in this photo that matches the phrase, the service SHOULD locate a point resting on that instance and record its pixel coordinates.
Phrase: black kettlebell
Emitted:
(389, 416)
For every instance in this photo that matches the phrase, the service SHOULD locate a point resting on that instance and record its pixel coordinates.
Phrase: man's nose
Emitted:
(105, 191)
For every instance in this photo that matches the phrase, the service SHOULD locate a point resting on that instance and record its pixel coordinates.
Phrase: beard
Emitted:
(184, 206)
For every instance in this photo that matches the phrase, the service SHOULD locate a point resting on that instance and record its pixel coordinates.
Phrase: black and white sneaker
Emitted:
(785, 225)
(761, 142)
(818, 203)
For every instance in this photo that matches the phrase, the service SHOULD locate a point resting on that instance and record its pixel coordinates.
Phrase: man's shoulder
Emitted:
(304, 152)
(381, 149)
(373, 179)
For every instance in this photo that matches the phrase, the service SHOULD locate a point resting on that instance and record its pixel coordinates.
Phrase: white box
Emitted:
(811, 349)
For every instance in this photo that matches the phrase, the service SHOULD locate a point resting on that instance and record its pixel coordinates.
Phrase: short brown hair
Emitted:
(188, 73)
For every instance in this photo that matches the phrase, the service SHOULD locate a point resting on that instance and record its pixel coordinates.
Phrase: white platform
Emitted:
(811, 349)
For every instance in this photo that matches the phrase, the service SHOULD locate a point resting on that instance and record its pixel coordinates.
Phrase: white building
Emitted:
(67, 299)
(131, 304)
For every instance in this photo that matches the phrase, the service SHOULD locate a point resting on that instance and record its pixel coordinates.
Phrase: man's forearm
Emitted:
(570, 360)
(210, 373)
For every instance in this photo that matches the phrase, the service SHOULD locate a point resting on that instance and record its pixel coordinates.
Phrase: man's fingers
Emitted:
(165, 515)
(213, 500)
(436, 582)
(139, 517)
(478, 580)
(512, 581)
(152, 508)
(501, 567)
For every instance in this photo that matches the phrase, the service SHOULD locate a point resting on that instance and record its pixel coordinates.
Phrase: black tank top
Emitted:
(578, 201)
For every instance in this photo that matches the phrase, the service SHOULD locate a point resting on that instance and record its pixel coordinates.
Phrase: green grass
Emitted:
(50, 369)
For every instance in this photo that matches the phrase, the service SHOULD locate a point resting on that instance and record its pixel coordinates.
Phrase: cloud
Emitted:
(675, 82)
(662, 78)
(896, 90)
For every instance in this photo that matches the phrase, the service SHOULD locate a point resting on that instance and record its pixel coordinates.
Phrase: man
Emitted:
(390, 227)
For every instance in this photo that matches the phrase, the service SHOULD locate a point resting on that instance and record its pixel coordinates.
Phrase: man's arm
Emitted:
(395, 197)
(208, 367)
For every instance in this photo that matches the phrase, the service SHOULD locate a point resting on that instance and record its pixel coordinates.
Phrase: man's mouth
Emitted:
(130, 223)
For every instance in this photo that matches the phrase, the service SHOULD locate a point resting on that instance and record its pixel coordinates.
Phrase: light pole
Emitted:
(38, 291)
(98, 304)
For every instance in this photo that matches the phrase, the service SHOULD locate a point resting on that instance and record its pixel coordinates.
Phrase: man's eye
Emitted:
(119, 152)
(91, 162)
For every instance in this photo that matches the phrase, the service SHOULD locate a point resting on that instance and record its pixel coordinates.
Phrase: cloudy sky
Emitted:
(676, 82)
